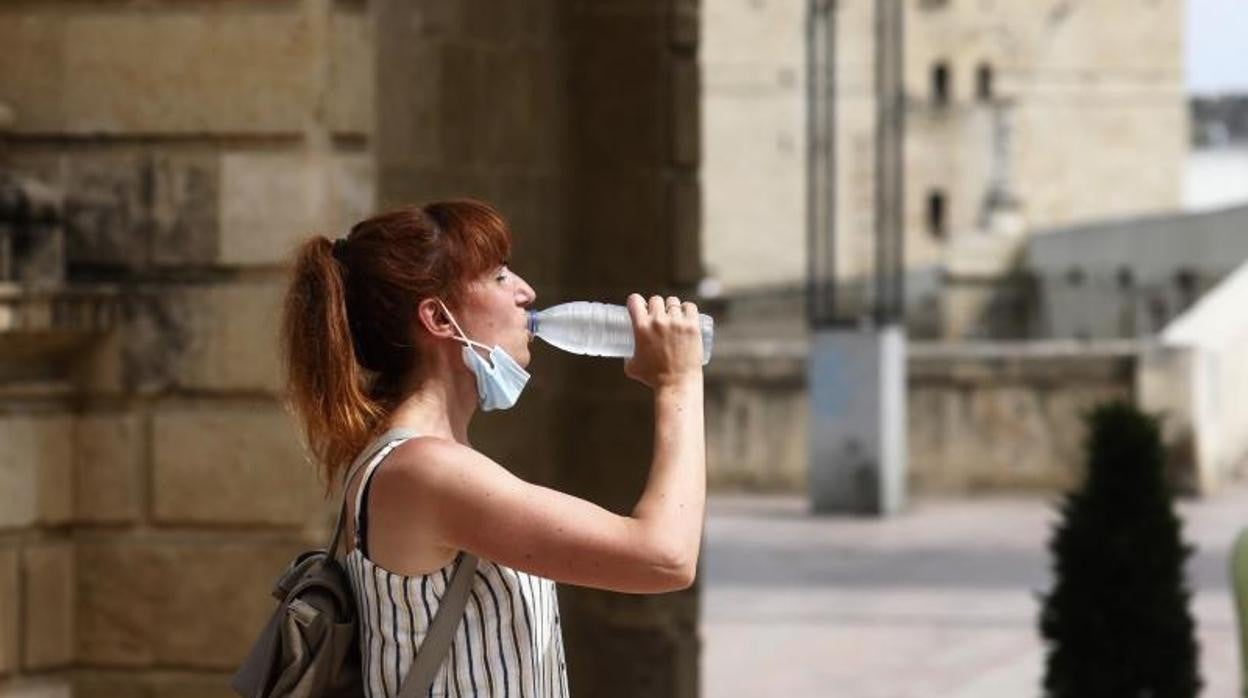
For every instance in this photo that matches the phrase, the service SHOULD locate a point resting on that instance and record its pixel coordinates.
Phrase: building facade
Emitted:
(1018, 117)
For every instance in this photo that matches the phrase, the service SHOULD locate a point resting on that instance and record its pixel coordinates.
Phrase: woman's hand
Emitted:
(667, 340)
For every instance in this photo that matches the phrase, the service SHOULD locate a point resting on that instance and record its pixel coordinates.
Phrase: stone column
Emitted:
(633, 220)
(579, 120)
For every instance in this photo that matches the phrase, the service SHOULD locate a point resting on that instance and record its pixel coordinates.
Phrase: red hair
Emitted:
(349, 316)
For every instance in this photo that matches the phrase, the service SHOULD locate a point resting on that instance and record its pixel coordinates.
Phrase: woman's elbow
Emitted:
(677, 570)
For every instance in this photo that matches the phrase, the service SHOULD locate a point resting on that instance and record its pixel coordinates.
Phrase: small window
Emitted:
(937, 212)
(983, 82)
(940, 84)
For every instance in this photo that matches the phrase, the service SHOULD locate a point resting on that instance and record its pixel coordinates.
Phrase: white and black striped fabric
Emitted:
(510, 643)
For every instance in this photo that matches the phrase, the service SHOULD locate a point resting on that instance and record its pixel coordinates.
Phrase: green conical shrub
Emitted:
(1116, 622)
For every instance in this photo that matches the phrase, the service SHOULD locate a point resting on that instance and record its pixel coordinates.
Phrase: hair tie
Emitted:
(339, 249)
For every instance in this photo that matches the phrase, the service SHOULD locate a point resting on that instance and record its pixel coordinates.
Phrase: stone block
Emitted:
(270, 202)
(230, 464)
(152, 684)
(352, 77)
(9, 609)
(685, 226)
(154, 338)
(42, 687)
(108, 460)
(132, 208)
(685, 117)
(184, 191)
(36, 468)
(79, 71)
(195, 603)
(206, 337)
(409, 122)
(234, 337)
(110, 684)
(620, 233)
(353, 195)
(633, 659)
(619, 85)
(48, 605)
(192, 686)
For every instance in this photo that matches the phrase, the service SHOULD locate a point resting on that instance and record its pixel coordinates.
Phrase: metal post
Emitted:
(890, 197)
(821, 299)
(856, 374)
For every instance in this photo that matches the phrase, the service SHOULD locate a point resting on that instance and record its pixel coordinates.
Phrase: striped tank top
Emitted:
(509, 643)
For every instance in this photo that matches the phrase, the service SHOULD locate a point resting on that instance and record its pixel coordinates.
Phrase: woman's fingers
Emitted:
(636, 308)
(659, 307)
(656, 307)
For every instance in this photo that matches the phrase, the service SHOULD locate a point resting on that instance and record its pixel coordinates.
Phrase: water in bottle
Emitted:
(598, 329)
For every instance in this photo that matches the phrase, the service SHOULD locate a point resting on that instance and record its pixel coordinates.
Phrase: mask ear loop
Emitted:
(463, 336)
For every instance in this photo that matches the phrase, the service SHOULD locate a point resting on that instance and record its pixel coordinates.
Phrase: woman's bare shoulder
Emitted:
(427, 466)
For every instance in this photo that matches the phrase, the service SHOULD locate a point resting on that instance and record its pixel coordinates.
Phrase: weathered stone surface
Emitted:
(110, 684)
(685, 204)
(193, 686)
(661, 660)
(183, 208)
(18, 475)
(48, 605)
(208, 337)
(9, 610)
(230, 464)
(108, 461)
(133, 207)
(35, 470)
(152, 684)
(353, 192)
(41, 687)
(686, 100)
(352, 80)
(143, 603)
(270, 202)
(79, 72)
(233, 340)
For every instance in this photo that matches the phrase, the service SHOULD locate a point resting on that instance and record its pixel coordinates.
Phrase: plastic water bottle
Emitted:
(598, 329)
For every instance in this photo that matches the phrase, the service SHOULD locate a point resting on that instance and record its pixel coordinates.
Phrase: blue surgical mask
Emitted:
(499, 380)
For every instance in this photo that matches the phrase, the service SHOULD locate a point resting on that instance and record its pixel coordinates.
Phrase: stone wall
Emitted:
(152, 473)
(981, 416)
(156, 473)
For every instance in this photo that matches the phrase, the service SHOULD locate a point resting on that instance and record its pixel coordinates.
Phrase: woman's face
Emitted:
(494, 312)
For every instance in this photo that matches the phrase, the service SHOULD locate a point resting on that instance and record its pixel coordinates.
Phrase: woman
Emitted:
(398, 325)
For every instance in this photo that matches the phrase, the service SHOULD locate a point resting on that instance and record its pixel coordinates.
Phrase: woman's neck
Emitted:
(441, 404)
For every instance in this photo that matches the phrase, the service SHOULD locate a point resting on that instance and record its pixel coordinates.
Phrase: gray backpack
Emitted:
(310, 646)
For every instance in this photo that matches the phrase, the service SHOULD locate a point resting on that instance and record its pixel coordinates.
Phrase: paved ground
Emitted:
(937, 603)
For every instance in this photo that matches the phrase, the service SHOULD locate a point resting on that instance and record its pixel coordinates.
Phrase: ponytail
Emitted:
(324, 382)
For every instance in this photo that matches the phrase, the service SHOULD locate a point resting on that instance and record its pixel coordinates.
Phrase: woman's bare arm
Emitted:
(464, 500)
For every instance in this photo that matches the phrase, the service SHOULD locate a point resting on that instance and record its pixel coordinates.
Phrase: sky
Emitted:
(1217, 46)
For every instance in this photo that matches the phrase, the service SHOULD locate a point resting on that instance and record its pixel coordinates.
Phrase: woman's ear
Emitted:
(434, 319)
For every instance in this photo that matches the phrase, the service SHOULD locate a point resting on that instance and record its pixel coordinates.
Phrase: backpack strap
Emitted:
(432, 652)
(378, 448)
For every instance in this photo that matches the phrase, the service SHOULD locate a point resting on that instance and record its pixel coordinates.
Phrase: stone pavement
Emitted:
(939, 602)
